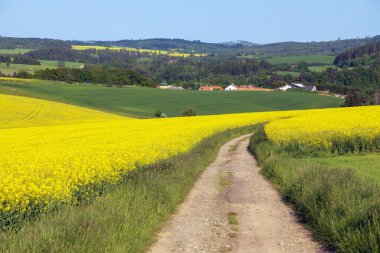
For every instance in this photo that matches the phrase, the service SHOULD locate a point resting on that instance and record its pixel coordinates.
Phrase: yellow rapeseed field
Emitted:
(24, 80)
(51, 152)
(25, 112)
(49, 164)
(341, 129)
(131, 49)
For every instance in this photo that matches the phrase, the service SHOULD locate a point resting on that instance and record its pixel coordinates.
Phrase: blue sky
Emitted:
(260, 21)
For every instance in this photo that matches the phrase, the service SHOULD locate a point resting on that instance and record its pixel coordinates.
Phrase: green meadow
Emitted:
(9, 70)
(144, 102)
(319, 59)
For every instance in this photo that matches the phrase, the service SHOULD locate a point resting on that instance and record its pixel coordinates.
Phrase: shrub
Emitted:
(189, 111)
(22, 74)
(160, 114)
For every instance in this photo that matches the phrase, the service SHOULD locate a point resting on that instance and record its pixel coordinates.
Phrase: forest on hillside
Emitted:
(363, 55)
(229, 48)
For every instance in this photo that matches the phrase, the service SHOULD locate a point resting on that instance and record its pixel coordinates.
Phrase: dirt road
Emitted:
(232, 208)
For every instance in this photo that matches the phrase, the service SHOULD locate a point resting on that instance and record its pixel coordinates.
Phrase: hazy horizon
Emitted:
(219, 42)
(212, 21)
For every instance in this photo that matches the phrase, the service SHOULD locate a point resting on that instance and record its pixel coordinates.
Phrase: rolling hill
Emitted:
(144, 102)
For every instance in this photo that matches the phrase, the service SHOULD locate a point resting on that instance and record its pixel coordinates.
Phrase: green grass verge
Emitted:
(294, 59)
(129, 216)
(366, 166)
(144, 102)
(341, 208)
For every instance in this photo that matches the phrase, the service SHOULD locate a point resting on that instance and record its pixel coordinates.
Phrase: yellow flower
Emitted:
(48, 159)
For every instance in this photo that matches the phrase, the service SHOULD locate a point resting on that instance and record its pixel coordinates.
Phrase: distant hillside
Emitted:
(34, 43)
(166, 44)
(306, 48)
(363, 55)
(241, 42)
(242, 47)
(228, 48)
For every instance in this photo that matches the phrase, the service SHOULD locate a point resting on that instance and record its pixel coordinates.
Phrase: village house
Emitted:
(233, 87)
(164, 85)
(311, 88)
(298, 86)
(158, 86)
(176, 88)
(211, 87)
(251, 88)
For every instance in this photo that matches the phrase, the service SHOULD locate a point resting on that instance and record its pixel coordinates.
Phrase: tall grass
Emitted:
(342, 209)
(128, 217)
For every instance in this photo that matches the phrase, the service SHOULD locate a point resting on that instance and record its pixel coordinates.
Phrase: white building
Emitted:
(231, 87)
(298, 86)
(285, 87)
(311, 88)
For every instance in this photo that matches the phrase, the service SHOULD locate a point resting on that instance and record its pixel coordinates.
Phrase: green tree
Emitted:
(354, 98)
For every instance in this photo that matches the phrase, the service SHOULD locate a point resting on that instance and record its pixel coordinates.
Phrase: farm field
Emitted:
(321, 59)
(89, 160)
(141, 50)
(144, 102)
(338, 131)
(72, 162)
(17, 112)
(283, 73)
(15, 51)
(173, 127)
(128, 217)
(81, 154)
(322, 62)
(53, 64)
(9, 70)
(321, 68)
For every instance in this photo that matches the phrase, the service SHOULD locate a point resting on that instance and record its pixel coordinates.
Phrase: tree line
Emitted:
(163, 67)
(364, 55)
(105, 75)
(192, 72)
(19, 59)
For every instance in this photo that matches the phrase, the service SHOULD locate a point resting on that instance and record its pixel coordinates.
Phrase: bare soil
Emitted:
(233, 208)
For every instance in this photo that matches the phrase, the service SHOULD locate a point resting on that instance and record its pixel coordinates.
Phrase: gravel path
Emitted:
(232, 208)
